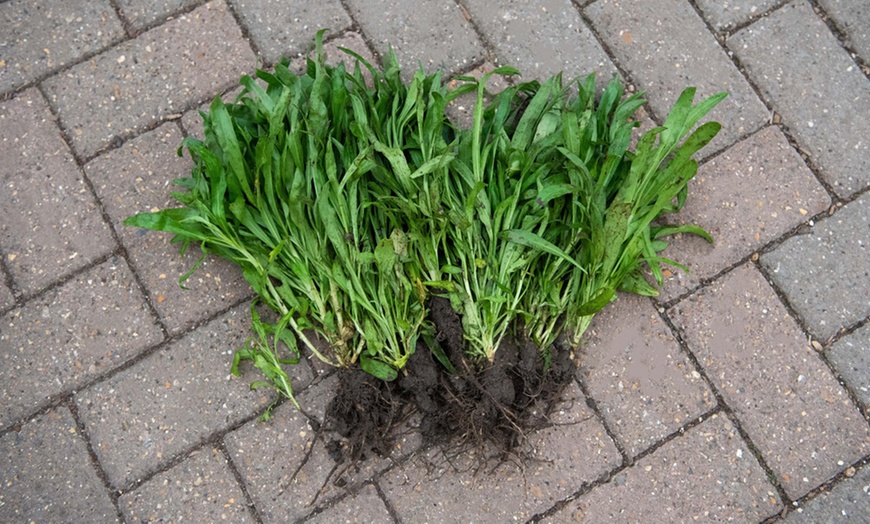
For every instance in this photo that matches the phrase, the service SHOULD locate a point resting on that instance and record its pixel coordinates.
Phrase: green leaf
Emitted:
(377, 369)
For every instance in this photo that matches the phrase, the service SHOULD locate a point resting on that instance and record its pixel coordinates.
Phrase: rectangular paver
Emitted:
(788, 401)
(136, 178)
(7, 299)
(46, 474)
(706, 475)
(850, 357)
(286, 29)
(161, 72)
(747, 196)
(853, 18)
(50, 224)
(41, 36)
(364, 507)
(435, 34)
(200, 489)
(729, 14)
(70, 335)
(556, 460)
(542, 38)
(640, 379)
(173, 400)
(666, 47)
(824, 272)
(847, 502)
(806, 76)
(140, 13)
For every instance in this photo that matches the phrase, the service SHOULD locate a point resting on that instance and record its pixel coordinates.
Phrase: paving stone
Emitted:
(848, 501)
(706, 475)
(641, 381)
(141, 13)
(267, 455)
(173, 400)
(42, 36)
(364, 507)
(557, 460)
(137, 178)
(542, 38)
(850, 357)
(47, 475)
(200, 489)
(162, 72)
(7, 299)
(286, 29)
(727, 15)
(435, 34)
(666, 47)
(50, 225)
(824, 272)
(70, 335)
(788, 402)
(853, 18)
(749, 195)
(817, 97)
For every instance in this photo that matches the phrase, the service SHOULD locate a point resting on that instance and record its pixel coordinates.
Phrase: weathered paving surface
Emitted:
(739, 394)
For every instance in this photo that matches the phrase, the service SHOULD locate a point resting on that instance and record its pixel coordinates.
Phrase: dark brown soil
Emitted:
(496, 406)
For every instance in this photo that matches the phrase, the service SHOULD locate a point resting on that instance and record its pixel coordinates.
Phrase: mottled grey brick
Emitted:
(666, 47)
(824, 272)
(853, 18)
(38, 37)
(641, 381)
(706, 475)
(46, 474)
(746, 197)
(200, 489)
(728, 14)
(542, 38)
(286, 29)
(363, 507)
(850, 357)
(160, 73)
(846, 502)
(50, 225)
(174, 399)
(796, 413)
(140, 13)
(807, 77)
(7, 299)
(71, 335)
(435, 34)
(136, 178)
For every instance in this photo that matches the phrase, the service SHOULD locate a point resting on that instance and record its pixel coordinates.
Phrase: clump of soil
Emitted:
(496, 406)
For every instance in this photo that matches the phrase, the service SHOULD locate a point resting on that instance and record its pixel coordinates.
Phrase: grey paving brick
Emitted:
(791, 406)
(70, 335)
(47, 476)
(751, 194)
(7, 299)
(286, 29)
(160, 73)
(137, 178)
(642, 382)
(848, 501)
(852, 17)
(557, 460)
(706, 475)
(200, 489)
(824, 273)
(173, 400)
(727, 15)
(850, 357)
(140, 13)
(50, 225)
(435, 34)
(542, 38)
(666, 47)
(42, 36)
(819, 98)
(364, 507)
